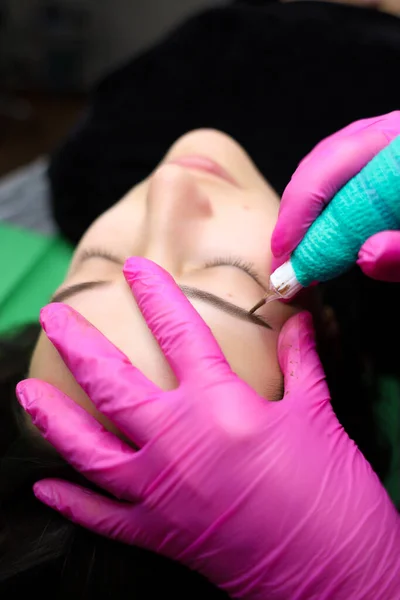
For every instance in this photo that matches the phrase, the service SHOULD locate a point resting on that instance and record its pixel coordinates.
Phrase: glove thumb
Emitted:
(379, 257)
(304, 377)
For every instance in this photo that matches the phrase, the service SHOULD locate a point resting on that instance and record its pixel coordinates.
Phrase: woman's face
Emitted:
(206, 215)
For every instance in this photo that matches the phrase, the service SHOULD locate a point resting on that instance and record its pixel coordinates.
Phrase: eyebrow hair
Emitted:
(190, 292)
(71, 290)
(227, 307)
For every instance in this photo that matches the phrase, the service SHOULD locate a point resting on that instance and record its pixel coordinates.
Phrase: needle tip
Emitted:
(257, 306)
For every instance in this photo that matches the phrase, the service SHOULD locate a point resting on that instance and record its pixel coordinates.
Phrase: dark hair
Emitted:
(40, 548)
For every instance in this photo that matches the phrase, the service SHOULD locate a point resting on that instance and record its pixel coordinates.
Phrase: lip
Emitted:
(205, 164)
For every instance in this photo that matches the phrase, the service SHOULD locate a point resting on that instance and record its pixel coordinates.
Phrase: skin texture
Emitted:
(182, 218)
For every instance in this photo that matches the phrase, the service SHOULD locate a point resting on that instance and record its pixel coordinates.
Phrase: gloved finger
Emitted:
(388, 123)
(277, 262)
(104, 516)
(299, 361)
(379, 257)
(95, 452)
(185, 339)
(114, 385)
(313, 185)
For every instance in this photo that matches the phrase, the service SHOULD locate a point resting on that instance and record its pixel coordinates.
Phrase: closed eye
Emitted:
(233, 261)
(228, 261)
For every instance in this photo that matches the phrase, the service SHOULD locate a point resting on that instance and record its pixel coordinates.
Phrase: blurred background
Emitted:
(51, 52)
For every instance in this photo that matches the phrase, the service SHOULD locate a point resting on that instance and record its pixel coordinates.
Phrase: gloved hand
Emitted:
(268, 500)
(331, 164)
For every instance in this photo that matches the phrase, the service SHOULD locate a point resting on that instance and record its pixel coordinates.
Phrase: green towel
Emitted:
(32, 266)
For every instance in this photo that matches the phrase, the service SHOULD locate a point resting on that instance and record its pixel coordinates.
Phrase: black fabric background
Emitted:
(277, 77)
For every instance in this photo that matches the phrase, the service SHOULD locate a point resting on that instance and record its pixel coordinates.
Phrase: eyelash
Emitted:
(232, 261)
(99, 252)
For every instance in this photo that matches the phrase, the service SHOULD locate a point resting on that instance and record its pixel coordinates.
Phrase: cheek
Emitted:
(250, 351)
(119, 229)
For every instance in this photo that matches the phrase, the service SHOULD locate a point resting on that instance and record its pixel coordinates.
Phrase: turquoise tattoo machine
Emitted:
(367, 204)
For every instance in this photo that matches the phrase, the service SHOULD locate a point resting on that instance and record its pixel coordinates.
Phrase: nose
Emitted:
(176, 212)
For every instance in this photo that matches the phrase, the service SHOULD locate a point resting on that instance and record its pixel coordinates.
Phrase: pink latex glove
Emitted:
(327, 168)
(268, 500)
